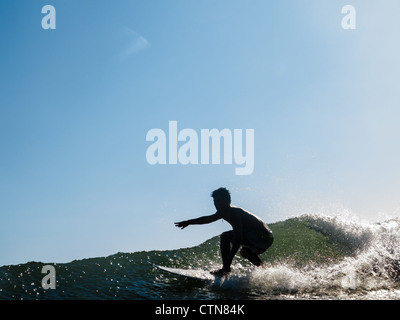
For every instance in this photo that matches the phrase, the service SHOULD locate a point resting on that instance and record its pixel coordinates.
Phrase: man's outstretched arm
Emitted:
(201, 220)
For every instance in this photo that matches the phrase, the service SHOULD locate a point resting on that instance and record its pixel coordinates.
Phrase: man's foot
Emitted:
(220, 272)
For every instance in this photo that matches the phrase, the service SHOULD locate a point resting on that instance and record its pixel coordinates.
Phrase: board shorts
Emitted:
(258, 241)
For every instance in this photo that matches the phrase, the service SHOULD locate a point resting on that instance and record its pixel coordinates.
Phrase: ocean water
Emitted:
(313, 257)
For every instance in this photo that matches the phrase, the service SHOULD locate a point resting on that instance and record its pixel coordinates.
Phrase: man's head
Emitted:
(222, 198)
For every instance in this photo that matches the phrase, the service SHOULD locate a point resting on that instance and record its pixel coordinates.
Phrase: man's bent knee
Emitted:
(228, 235)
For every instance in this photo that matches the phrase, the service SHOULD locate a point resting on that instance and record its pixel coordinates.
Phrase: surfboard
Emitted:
(196, 274)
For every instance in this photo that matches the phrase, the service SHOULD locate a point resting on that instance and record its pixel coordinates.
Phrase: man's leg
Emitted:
(251, 256)
(225, 245)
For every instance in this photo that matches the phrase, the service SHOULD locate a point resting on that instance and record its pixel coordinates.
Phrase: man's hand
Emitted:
(182, 224)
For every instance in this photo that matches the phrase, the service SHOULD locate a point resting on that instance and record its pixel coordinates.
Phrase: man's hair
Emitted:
(222, 193)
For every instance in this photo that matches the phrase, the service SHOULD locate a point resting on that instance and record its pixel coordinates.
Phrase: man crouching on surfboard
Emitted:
(249, 231)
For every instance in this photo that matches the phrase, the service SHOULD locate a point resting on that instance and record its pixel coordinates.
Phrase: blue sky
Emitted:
(76, 104)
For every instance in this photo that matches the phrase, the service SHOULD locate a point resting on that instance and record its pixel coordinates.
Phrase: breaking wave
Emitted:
(314, 256)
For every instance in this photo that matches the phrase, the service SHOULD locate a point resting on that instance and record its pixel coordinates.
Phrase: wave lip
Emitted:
(371, 249)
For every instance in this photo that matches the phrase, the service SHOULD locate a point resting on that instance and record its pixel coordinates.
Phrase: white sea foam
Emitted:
(370, 269)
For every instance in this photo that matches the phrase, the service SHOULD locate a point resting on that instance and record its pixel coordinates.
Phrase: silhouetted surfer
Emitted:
(249, 231)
